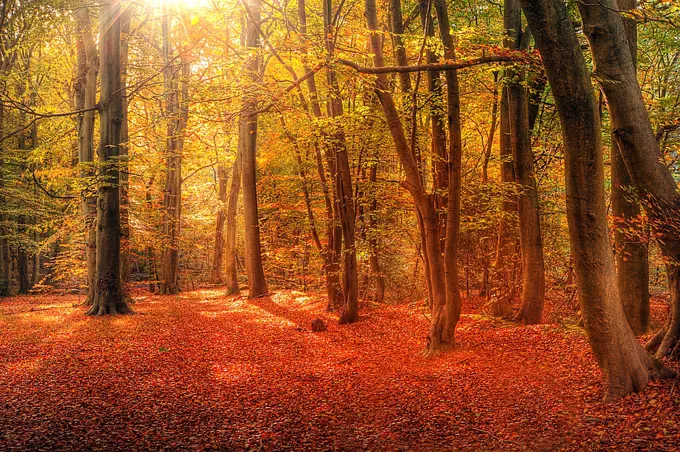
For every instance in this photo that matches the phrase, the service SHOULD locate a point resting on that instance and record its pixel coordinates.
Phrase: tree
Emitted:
(627, 367)
(531, 246)
(85, 100)
(175, 76)
(446, 301)
(230, 243)
(636, 141)
(109, 297)
(216, 276)
(632, 266)
(257, 285)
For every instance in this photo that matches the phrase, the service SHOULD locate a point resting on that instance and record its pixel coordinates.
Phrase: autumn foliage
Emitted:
(202, 371)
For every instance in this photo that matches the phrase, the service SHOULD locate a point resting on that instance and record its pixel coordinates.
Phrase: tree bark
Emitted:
(232, 207)
(631, 252)
(531, 246)
(86, 97)
(333, 248)
(636, 141)
(443, 323)
(176, 111)
(257, 286)
(109, 297)
(216, 276)
(342, 184)
(373, 260)
(506, 249)
(627, 367)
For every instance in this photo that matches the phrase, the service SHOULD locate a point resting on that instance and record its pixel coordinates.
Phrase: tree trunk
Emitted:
(333, 248)
(373, 260)
(533, 270)
(631, 252)
(257, 286)
(506, 249)
(216, 276)
(5, 274)
(109, 297)
(124, 150)
(232, 207)
(176, 110)
(342, 184)
(443, 322)
(22, 258)
(636, 141)
(454, 173)
(627, 367)
(531, 246)
(86, 97)
(484, 292)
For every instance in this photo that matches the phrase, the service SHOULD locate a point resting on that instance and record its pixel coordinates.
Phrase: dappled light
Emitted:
(410, 225)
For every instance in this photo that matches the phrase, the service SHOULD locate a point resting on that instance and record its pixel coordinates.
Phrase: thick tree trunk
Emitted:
(216, 276)
(109, 297)
(177, 111)
(632, 130)
(631, 252)
(232, 207)
(257, 286)
(627, 367)
(86, 97)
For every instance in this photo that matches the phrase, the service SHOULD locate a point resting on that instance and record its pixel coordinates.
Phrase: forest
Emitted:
(339, 225)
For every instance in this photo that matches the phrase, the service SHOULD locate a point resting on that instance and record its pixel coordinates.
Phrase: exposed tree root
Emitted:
(107, 306)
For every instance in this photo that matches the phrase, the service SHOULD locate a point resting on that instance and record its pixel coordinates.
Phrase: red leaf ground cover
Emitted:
(201, 371)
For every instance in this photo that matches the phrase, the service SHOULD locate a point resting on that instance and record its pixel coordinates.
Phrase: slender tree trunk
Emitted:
(22, 258)
(216, 276)
(85, 98)
(342, 184)
(257, 285)
(454, 173)
(443, 322)
(5, 275)
(631, 252)
(531, 246)
(176, 110)
(506, 249)
(109, 297)
(533, 269)
(636, 141)
(484, 292)
(333, 248)
(232, 207)
(373, 260)
(627, 367)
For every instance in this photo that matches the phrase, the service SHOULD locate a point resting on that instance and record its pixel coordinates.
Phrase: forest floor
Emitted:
(201, 371)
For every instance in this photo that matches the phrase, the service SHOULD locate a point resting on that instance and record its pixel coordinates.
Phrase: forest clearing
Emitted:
(202, 371)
